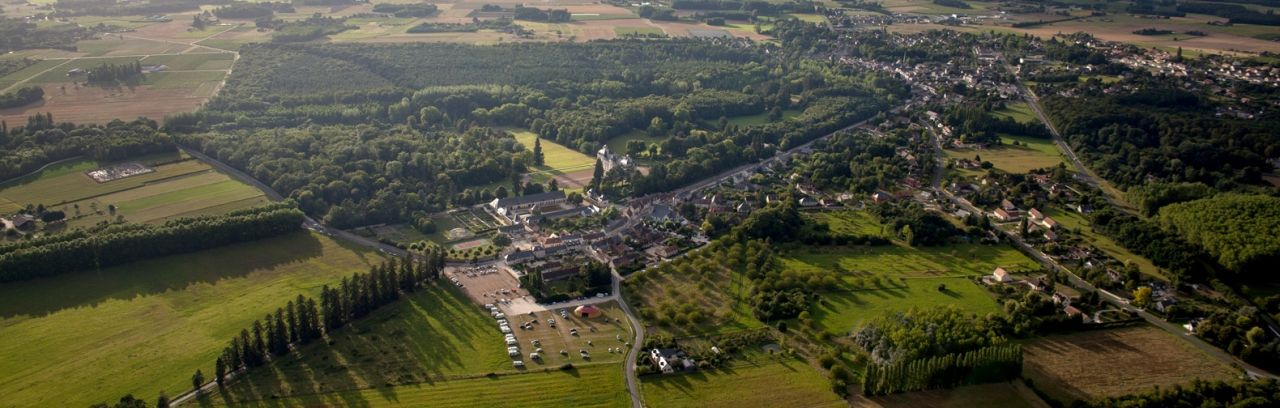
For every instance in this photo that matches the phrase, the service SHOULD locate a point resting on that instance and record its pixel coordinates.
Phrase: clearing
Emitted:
(144, 328)
(1076, 366)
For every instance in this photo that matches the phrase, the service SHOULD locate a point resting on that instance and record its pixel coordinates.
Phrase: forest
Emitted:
(406, 133)
(24, 149)
(18, 34)
(1239, 230)
(120, 244)
(21, 97)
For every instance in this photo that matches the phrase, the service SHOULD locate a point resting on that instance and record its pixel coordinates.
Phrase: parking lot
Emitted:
(485, 284)
(558, 337)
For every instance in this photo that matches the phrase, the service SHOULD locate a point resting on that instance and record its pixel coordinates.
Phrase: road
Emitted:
(633, 352)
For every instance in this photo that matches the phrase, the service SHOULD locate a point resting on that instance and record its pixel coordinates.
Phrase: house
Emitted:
(1001, 275)
(1008, 206)
(24, 222)
(519, 257)
(666, 360)
(881, 197)
(660, 361)
(1050, 235)
(1003, 216)
(1035, 215)
(1073, 312)
(660, 213)
(508, 206)
(1048, 223)
(610, 160)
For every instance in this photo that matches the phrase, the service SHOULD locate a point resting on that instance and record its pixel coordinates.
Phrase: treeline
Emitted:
(240, 10)
(109, 248)
(911, 222)
(536, 14)
(23, 96)
(759, 7)
(1234, 13)
(918, 334)
(114, 73)
(977, 125)
(429, 27)
(114, 8)
(1200, 393)
(24, 149)
(406, 10)
(304, 320)
(981, 366)
(953, 4)
(18, 34)
(313, 28)
(1164, 248)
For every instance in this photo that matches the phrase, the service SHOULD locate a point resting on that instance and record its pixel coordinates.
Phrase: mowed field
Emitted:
(144, 328)
(434, 349)
(571, 169)
(997, 395)
(179, 186)
(1114, 362)
(755, 380)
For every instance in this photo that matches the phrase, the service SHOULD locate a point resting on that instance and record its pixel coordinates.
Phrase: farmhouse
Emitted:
(24, 222)
(1036, 215)
(508, 206)
(1003, 216)
(1001, 275)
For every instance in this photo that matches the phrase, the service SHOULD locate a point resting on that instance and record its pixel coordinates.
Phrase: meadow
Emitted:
(838, 312)
(179, 186)
(1030, 153)
(569, 167)
(144, 328)
(761, 118)
(754, 380)
(1074, 366)
(1018, 111)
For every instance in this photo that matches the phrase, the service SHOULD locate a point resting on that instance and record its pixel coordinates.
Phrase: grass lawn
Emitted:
(619, 144)
(848, 222)
(145, 327)
(1078, 223)
(586, 386)
(762, 118)
(1067, 366)
(840, 312)
(1018, 111)
(962, 260)
(1032, 153)
(558, 159)
(809, 17)
(757, 380)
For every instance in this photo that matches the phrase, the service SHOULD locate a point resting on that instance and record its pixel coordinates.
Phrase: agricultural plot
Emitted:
(176, 186)
(755, 380)
(998, 395)
(840, 311)
(1030, 153)
(719, 293)
(143, 328)
(1238, 38)
(892, 261)
(435, 349)
(1077, 366)
(848, 222)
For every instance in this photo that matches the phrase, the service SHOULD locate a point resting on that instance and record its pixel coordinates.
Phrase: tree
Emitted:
(635, 147)
(538, 158)
(197, 380)
(597, 175)
(219, 372)
(162, 401)
(1142, 296)
(198, 22)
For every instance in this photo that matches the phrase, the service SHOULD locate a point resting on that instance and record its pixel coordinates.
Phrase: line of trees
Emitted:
(21, 97)
(304, 319)
(536, 14)
(112, 73)
(24, 149)
(981, 366)
(74, 252)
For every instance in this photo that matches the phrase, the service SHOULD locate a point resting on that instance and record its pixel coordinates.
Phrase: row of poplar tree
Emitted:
(305, 319)
(984, 365)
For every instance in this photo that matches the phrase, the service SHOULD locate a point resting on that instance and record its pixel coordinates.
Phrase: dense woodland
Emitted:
(120, 244)
(1239, 230)
(24, 149)
(18, 34)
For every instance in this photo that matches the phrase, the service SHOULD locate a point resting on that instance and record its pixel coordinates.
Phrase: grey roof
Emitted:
(529, 199)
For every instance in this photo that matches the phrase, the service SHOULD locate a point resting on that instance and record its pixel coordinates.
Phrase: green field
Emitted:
(809, 17)
(619, 144)
(200, 61)
(179, 186)
(558, 158)
(1018, 111)
(997, 395)
(586, 386)
(762, 118)
(840, 312)
(1032, 153)
(146, 327)
(434, 349)
(848, 222)
(757, 380)
(963, 260)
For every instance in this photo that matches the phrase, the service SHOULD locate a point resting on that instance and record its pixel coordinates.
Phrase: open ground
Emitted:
(144, 328)
(1030, 153)
(1135, 359)
(178, 186)
(756, 379)
(571, 169)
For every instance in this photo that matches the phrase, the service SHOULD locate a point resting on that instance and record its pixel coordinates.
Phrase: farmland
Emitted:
(145, 327)
(840, 312)
(1067, 366)
(178, 186)
(997, 395)
(1030, 153)
(756, 380)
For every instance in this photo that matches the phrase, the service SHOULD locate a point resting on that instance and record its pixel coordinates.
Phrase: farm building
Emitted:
(510, 205)
(1003, 216)
(587, 311)
(24, 222)
(1001, 275)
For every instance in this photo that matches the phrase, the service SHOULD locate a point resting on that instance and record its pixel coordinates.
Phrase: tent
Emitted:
(587, 311)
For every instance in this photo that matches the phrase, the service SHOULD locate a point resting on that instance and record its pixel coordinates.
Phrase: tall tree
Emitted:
(538, 159)
(597, 175)
(197, 380)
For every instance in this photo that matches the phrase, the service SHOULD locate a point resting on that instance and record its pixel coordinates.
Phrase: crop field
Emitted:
(1120, 27)
(1031, 153)
(839, 312)
(1075, 366)
(438, 348)
(997, 395)
(584, 386)
(145, 327)
(757, 380)
(179, 186)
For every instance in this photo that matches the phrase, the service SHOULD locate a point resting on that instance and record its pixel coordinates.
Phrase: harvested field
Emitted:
(91, 104)
(1076, 366)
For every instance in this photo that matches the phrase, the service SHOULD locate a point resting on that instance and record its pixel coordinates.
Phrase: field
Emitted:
(1018, 111)
(840, 312)
(618, 145)
(758, 380)
(762, 118)
(998, 395)
(146, 327)
(1080, 223)
(570, 168)
(586, 386)
(848, 222)
(1114, 362)
(1238, 38)
(438, 349)
(179, 186)
(1031, 153)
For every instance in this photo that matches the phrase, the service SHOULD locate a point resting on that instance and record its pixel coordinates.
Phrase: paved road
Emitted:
(629, 365)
